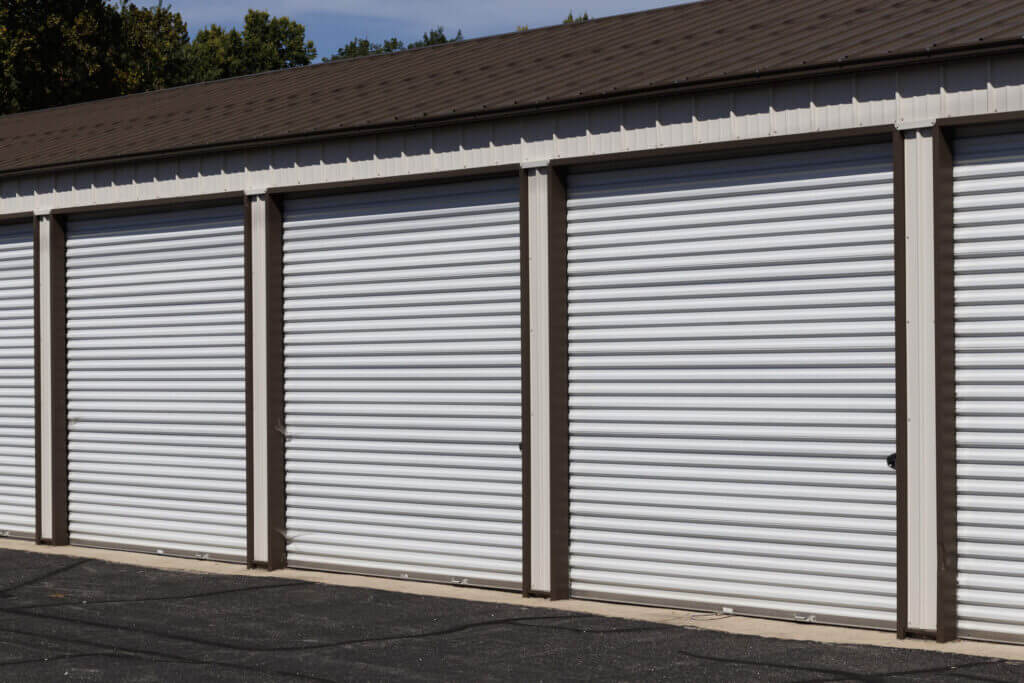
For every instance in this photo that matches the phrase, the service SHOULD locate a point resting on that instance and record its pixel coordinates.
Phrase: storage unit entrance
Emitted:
(403, 382)
(732, 385)
(156, 382)
(17, 383)
(988, 233)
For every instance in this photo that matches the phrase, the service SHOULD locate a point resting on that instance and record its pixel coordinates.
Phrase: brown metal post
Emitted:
(558, 322)
(945, 388)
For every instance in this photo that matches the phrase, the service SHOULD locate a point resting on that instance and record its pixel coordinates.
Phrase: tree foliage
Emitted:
(68, 51)
(155, 49)
(54, 53)
(265, 43)
(579, 19)
(436, 36)
(362, 47)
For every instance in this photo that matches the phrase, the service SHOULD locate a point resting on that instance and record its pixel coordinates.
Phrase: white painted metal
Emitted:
(45, 295)
(402, 383)
(922, 539)
(849, 102)
(732, 385)
(989, 280)
(17, 384)
(156, 382)
(261, 484)
(540, 385)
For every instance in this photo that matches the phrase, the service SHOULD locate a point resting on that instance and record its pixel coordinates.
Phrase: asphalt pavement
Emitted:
(74, 619)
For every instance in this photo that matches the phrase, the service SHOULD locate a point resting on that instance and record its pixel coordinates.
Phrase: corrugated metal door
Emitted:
(732, 385)
(17, 384)
(989, 324)
(402, 383)
(156, 382)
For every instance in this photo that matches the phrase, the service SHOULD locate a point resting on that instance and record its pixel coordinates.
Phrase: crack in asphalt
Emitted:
(227, 591)
(42, 577)
(843, 675)
(597, 632)
(147, 655)
(155, 653)
(831, 674)
(299, 648)
(54, 658)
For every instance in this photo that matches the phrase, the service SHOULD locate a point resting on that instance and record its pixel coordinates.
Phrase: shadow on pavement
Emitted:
(86, 620)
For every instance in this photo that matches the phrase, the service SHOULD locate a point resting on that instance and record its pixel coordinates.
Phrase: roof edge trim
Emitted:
(870, 64)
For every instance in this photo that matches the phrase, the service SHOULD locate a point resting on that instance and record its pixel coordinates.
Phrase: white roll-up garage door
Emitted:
(402, 383)
(156, 382)
(732, 385)
(17, 383)
(989, 323)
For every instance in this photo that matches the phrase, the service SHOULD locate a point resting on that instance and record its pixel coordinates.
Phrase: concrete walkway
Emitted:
(68, 614)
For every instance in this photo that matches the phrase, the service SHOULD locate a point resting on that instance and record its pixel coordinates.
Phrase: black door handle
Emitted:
(891, 461)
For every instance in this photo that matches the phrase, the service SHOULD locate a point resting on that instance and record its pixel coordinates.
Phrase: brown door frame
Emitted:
(559, 331)
(944, 133)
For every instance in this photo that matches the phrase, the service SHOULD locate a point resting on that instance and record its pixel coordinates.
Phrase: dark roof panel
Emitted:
(680, 46)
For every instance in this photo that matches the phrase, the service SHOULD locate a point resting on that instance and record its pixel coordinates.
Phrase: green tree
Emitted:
(265, 43)
(568, 20)
(275, 43)
(68, 51)
(57, 52)
(436, 36)
(363, 47)
(154, 48)
(215, 53)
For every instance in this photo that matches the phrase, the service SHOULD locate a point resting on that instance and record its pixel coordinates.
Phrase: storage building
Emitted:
(718, 306)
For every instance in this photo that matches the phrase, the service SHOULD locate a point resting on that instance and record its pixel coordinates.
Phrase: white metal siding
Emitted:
(922, 513)
(17, 384)
(989, 283)
(156, 382)
(732, 385)
(848, 102)
(402, 383)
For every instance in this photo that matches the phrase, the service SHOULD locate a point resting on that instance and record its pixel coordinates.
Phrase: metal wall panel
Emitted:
(882, 97)
(402, 383)
(17, 384)
(922, 566)
(988, 182)
(156, 382)
(732, 385)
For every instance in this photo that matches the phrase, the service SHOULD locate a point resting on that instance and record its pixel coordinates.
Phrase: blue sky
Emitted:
(331, 24)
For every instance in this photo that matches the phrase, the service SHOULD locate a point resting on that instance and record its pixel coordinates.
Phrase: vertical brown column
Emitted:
(900, 257)
(558, 312)
(945, 388)
(51, 382)
(274, 248)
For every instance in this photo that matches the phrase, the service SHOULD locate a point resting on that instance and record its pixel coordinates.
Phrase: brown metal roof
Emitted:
(681, 47)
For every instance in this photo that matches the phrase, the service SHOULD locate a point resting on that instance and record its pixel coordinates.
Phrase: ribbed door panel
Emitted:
(989, 289)
(156, 382)
(732, 385)
(17, 383)
(402, 383)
